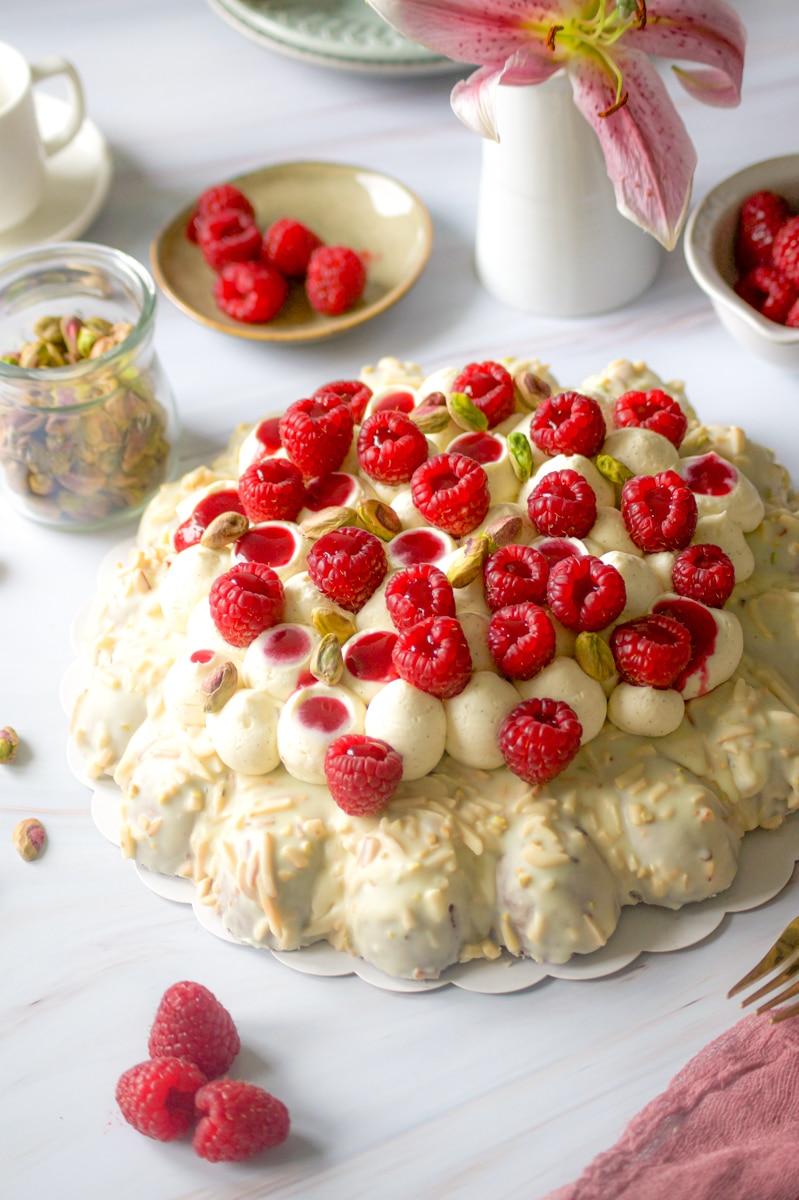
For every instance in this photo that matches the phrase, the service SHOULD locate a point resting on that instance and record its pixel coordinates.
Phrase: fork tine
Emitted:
(784, 977)
(793, 990)
(785, 946)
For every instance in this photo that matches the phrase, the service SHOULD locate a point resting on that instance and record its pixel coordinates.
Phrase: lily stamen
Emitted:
(612, 108)
(550, 41)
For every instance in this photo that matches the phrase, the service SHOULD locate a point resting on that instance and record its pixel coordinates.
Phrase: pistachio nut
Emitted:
(327, 662)
(28, 837)
(467, 563)
(379, 518)
(530, 389)
(465, 413)
(521, 455)
(612, 469)
(504, 530)
(9, 741)
(219, 686)
(429, 419)
(328, 520)
(226, 528)
(327, 621)
(594, 656)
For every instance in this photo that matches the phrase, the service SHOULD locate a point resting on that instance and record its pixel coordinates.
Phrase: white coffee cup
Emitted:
(23, 148)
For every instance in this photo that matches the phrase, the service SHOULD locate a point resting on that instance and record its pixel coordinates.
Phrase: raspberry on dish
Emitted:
(652, 410)
(288, 245)
(704, 572)
(562, 504)
(651, 650)
(362, 773)
(189, 532)
(245, 601)
(351, 391)
(521, 639)
(768, 291)
(317, 433)
(568, 423)
(585, 594)
(191, 1023)
(237, 1120)
(761, 217)
(538, 738)
(390, 447)
(659, 511)
(228, 236)
(272, 489)
(451, 492)
(417, 592)
(515, 574)
(433, 655)
(785, 251)
(792, 320)
(490, 388)
(348, 565)
(335, 280)
(251, 292)
(220, 198)
(157, 1097)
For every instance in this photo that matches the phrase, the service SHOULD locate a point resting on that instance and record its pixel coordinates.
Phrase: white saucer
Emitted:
(78, 178)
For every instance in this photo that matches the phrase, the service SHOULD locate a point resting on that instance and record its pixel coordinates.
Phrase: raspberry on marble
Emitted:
(521, 639)
(362, 773)
(585, 594)
(191, 1023)
(568, 423)
(157, 1097)
(433, 655)
(538, 738)
(417, 592)
(562, 504)
(237, 1120)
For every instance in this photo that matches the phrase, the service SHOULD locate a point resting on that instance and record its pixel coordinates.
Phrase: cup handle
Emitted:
(60, 66)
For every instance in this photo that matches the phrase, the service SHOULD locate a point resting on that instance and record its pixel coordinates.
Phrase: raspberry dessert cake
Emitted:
(433, 667)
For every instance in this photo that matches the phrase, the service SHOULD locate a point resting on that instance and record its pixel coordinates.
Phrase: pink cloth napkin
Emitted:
(726, 1127)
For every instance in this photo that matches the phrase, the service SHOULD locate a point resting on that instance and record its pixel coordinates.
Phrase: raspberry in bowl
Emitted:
(719, 261)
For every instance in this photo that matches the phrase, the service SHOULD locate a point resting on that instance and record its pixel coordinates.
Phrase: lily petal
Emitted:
(484, 32)
(649, 155)
(474, 99)
(702, 31)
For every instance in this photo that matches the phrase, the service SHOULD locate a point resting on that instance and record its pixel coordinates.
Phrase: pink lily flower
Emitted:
(603, 45)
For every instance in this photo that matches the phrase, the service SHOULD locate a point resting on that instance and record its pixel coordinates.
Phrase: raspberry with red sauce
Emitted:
(433, 655)
(521, 639)
(245, 601)
(585, 594)
(317, 433)
(348, 565)
(562, 504)
(568, 423)
(288, 245)
(351, 391)
(652, 410)
(362, 773)
(272, 490)
(651, 651)
(251, 292)
(390, 447)
(515, 574)
(490, 388)
(538, 738)
(228, 236)
(451, 492)
(704, 572)
(659, 511)
(189, 532)
(335, 280)
(417, 592)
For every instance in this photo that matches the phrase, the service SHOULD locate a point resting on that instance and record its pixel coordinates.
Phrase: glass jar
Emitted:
(87, 419)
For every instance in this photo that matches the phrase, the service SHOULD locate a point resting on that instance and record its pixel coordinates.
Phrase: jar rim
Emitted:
(93, 254)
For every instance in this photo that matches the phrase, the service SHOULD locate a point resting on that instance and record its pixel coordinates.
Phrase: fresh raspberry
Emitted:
(351, 391)
(317, 434)
(585, 593)
(490, 388)
(348, 566)
(651, 650)
(792, 320)
(288, 245)
(157, 1097)
(335, 280)
(272, 490)
(362, 773)
(451, 492)
(568, 423)
(785, 252)
(245, 601)
(768, 291)
(433, 655)
(761, 216)
(705, 573)
(652, 410)
(239, 1120)
(659, 511)
(215, 200)
(228, 236)
(390, 447)
(191, 1023)
(417, 592)
(515, 574)
(562, 504)
(538, 738)
(251, 292)
(189, 532)
(521, 639)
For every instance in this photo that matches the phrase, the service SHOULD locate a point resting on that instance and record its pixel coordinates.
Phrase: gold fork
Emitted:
(784, 951)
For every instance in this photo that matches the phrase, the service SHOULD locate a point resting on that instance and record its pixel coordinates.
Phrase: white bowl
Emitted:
(709, 238)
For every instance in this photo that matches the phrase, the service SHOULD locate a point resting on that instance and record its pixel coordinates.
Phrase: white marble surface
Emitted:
(445, 1094)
